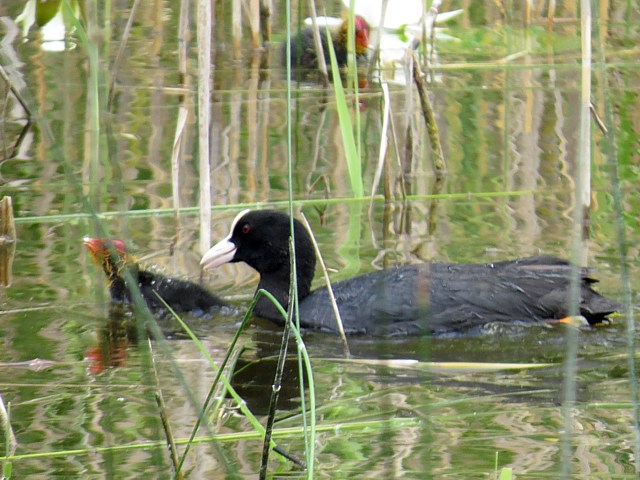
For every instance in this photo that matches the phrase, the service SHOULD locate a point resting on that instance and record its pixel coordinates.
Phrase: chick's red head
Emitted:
(110, 253)
(362, 35)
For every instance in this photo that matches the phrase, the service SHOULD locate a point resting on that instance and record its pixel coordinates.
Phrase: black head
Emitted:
(260, 238)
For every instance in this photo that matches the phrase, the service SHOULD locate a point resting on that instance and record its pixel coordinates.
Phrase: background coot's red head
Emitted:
(362, 34)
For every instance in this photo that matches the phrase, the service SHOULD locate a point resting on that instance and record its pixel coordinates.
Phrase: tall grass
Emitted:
(221, 377)
(10, 442)
(349, 141)
(308, 420)
(582, 201)
(614, 162)
(145, 321)
(204, 121)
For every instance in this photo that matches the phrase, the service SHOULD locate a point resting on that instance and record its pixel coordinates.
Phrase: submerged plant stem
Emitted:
(118, 60)
(322, 64)
(611, 146)
(15, 91)
(439, 163)
(329, 289)
(282, 355)
(164, 417)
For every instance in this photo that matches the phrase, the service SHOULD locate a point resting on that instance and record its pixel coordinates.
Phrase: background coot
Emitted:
(303, 50)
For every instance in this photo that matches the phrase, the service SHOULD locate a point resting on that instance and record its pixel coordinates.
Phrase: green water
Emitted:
(506, 98)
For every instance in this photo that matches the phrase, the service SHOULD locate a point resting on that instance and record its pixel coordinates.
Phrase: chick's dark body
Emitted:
(121, 268)
(181, 295)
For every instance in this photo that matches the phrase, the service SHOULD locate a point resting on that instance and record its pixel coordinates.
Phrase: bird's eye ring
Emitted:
(246, 228)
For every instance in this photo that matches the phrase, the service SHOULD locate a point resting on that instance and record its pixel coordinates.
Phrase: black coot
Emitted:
(433, 298)
(181, 295)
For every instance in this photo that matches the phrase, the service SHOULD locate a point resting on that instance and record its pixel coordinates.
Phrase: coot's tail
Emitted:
(593, 306)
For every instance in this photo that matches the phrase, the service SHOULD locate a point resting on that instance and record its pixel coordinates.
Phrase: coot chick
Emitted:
(303, 49)
(436, 298)
(180, 295)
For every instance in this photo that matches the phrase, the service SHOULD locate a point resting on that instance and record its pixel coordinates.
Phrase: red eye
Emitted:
(246, 228)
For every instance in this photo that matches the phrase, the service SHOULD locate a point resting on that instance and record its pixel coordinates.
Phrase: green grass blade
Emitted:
(351, 152)
(506, 474)
(219, 375)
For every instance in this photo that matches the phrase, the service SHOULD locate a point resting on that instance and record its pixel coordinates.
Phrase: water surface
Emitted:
(506, 98)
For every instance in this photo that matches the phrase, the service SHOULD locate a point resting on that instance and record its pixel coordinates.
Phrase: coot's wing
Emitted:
(530, 289)
(440, 298)
(384, 302)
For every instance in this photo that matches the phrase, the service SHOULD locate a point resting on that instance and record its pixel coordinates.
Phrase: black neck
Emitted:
(278, 286)
(118, 288)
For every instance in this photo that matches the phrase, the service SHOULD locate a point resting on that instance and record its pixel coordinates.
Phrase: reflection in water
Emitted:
(7, 241)
(251, 375)
(114, 340)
